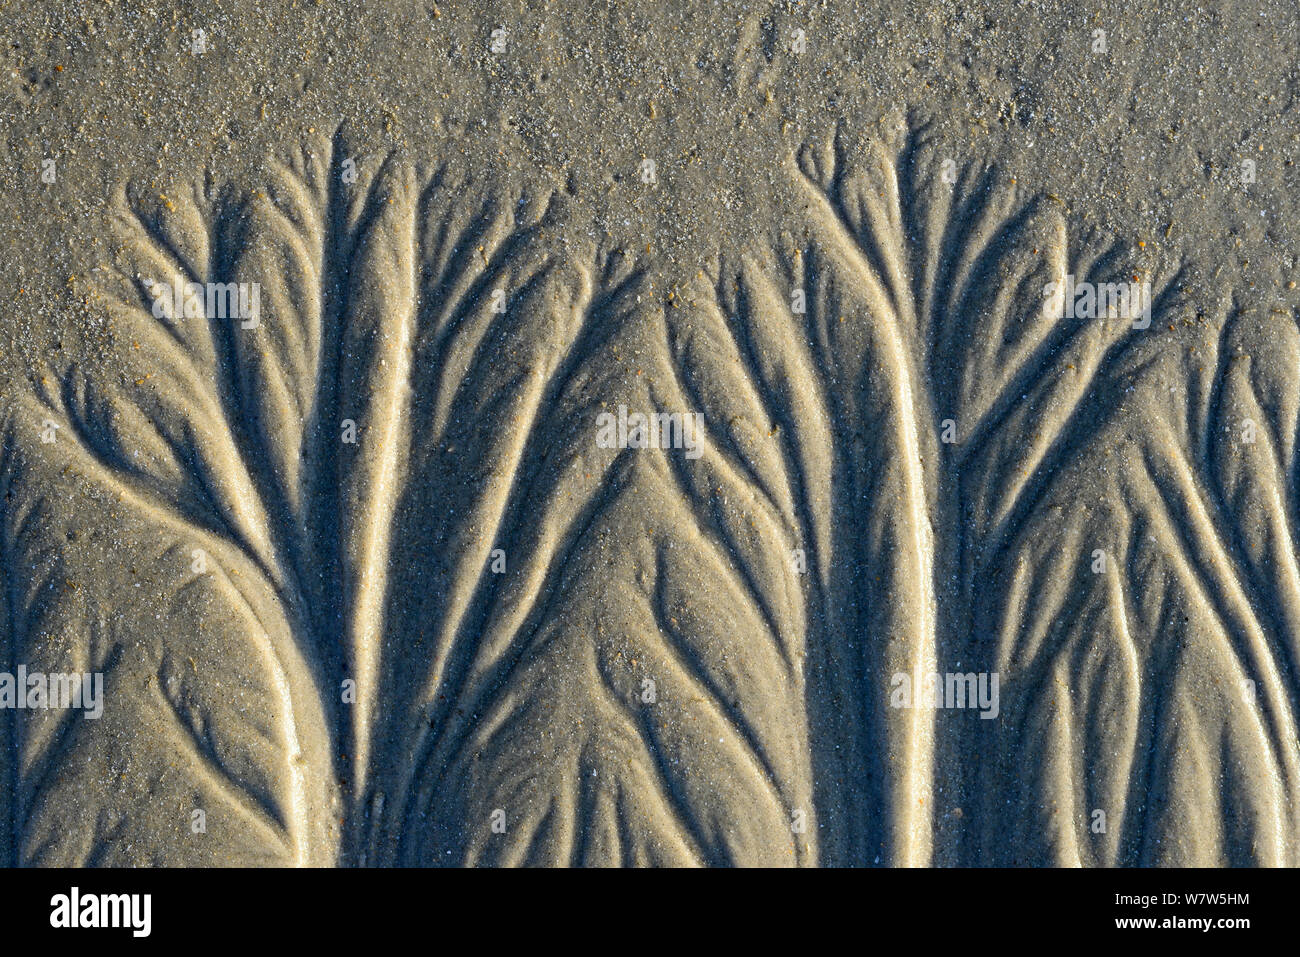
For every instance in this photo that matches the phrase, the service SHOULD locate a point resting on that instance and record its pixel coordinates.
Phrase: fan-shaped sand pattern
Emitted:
(474, 635)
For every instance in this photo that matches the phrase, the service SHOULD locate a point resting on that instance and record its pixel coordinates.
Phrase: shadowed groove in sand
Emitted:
(520, 691)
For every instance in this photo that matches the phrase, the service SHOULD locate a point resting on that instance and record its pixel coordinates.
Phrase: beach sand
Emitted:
(807, 434)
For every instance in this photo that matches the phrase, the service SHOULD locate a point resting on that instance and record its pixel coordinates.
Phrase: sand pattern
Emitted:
(406, 608)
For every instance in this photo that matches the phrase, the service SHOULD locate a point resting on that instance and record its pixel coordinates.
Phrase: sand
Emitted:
(814, 434)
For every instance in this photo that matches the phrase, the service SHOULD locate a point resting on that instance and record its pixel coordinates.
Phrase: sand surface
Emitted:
(633, 413)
